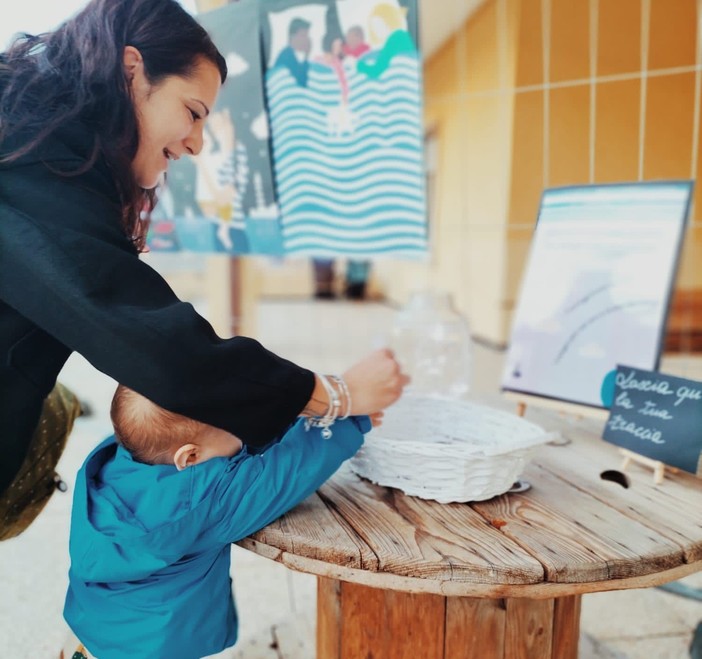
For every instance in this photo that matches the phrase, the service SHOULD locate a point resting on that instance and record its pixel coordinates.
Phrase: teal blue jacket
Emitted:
(149, 544)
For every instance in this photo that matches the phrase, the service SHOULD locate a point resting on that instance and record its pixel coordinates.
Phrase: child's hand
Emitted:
(375, 382)
(365, 422)
(376, 419)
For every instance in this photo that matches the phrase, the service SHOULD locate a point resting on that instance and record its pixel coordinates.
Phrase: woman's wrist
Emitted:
(330, 400)
(344, 396)
(318, 404)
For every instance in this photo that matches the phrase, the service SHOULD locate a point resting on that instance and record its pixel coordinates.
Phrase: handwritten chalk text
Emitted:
(687, 393)
(628, 381)
(649, 409)
(618, 422)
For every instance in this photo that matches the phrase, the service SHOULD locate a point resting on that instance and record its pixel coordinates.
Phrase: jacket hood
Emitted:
(72, 143)
(118, 532)
(64, 152)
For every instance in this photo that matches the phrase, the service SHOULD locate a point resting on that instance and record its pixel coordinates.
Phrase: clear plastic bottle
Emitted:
(432, 343)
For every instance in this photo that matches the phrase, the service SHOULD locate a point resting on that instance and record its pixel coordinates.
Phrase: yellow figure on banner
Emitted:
(216, 192)
(388, 37)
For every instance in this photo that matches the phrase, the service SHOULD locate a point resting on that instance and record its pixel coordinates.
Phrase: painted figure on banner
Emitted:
(295, 55)
(355, 44)
(340, 119)
(176, 199)
(225, 200)
(389, 35)
(347, 144)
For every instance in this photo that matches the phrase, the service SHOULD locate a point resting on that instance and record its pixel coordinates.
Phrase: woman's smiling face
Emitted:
(171, 115)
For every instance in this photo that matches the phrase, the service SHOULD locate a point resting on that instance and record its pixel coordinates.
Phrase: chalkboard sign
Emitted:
(657, 415)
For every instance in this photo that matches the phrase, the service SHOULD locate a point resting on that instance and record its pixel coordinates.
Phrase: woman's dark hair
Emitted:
(77, 73)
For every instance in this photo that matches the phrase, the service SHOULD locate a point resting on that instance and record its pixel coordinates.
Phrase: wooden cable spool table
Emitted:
(399, 576)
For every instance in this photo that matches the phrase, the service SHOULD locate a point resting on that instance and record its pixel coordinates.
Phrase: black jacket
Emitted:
(71, 280)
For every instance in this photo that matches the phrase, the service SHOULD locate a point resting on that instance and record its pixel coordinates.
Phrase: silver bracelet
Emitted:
(325, 422)
(344, 388)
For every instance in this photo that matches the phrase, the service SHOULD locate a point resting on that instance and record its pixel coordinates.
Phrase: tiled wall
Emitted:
(529, 94)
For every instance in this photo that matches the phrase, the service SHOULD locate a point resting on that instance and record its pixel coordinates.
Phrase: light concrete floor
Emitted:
(277, 606)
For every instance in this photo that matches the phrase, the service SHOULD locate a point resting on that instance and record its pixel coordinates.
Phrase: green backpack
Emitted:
(37, 479)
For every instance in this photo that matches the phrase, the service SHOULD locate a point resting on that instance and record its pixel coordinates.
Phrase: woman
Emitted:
(90, 115)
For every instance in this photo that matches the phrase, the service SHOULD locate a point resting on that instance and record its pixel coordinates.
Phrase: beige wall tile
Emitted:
(569, 148)
(527, 179)
(690, 274)
(482, 64)
(483, 176)
(617, 109)
(669, 129)
(485, 259)
(570, 38)
(618, 37)
(530, 65)
(672, 33)
(441, 71)
(518, 245)
(696, 214)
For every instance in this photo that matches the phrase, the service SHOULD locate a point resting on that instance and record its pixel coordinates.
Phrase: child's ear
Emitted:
(186, 456)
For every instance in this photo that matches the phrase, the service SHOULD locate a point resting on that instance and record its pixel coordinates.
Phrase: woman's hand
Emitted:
(375, 382)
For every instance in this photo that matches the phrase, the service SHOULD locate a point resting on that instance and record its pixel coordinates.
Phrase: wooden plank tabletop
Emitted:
(572, 532)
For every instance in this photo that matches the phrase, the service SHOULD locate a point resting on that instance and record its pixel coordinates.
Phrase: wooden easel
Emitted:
(565, 409)
(657, 466)
(577, 411)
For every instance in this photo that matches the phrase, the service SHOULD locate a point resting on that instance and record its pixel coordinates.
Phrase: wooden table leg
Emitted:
(355, 622)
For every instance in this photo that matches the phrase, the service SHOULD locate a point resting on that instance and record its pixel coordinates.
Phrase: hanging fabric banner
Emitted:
(343, 85)
(223, 200)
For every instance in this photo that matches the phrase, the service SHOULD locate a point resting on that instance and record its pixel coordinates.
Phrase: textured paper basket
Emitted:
(448, 450)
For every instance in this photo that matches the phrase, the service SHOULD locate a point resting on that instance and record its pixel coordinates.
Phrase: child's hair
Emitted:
(150, 433)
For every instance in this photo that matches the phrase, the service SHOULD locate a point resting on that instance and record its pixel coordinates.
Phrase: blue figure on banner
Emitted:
(295, 55)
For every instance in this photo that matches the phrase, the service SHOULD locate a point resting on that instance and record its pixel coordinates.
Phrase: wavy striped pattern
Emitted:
(349, 183)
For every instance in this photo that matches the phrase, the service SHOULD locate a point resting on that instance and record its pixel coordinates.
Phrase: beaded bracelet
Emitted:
(325, 422)
(344, 388)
